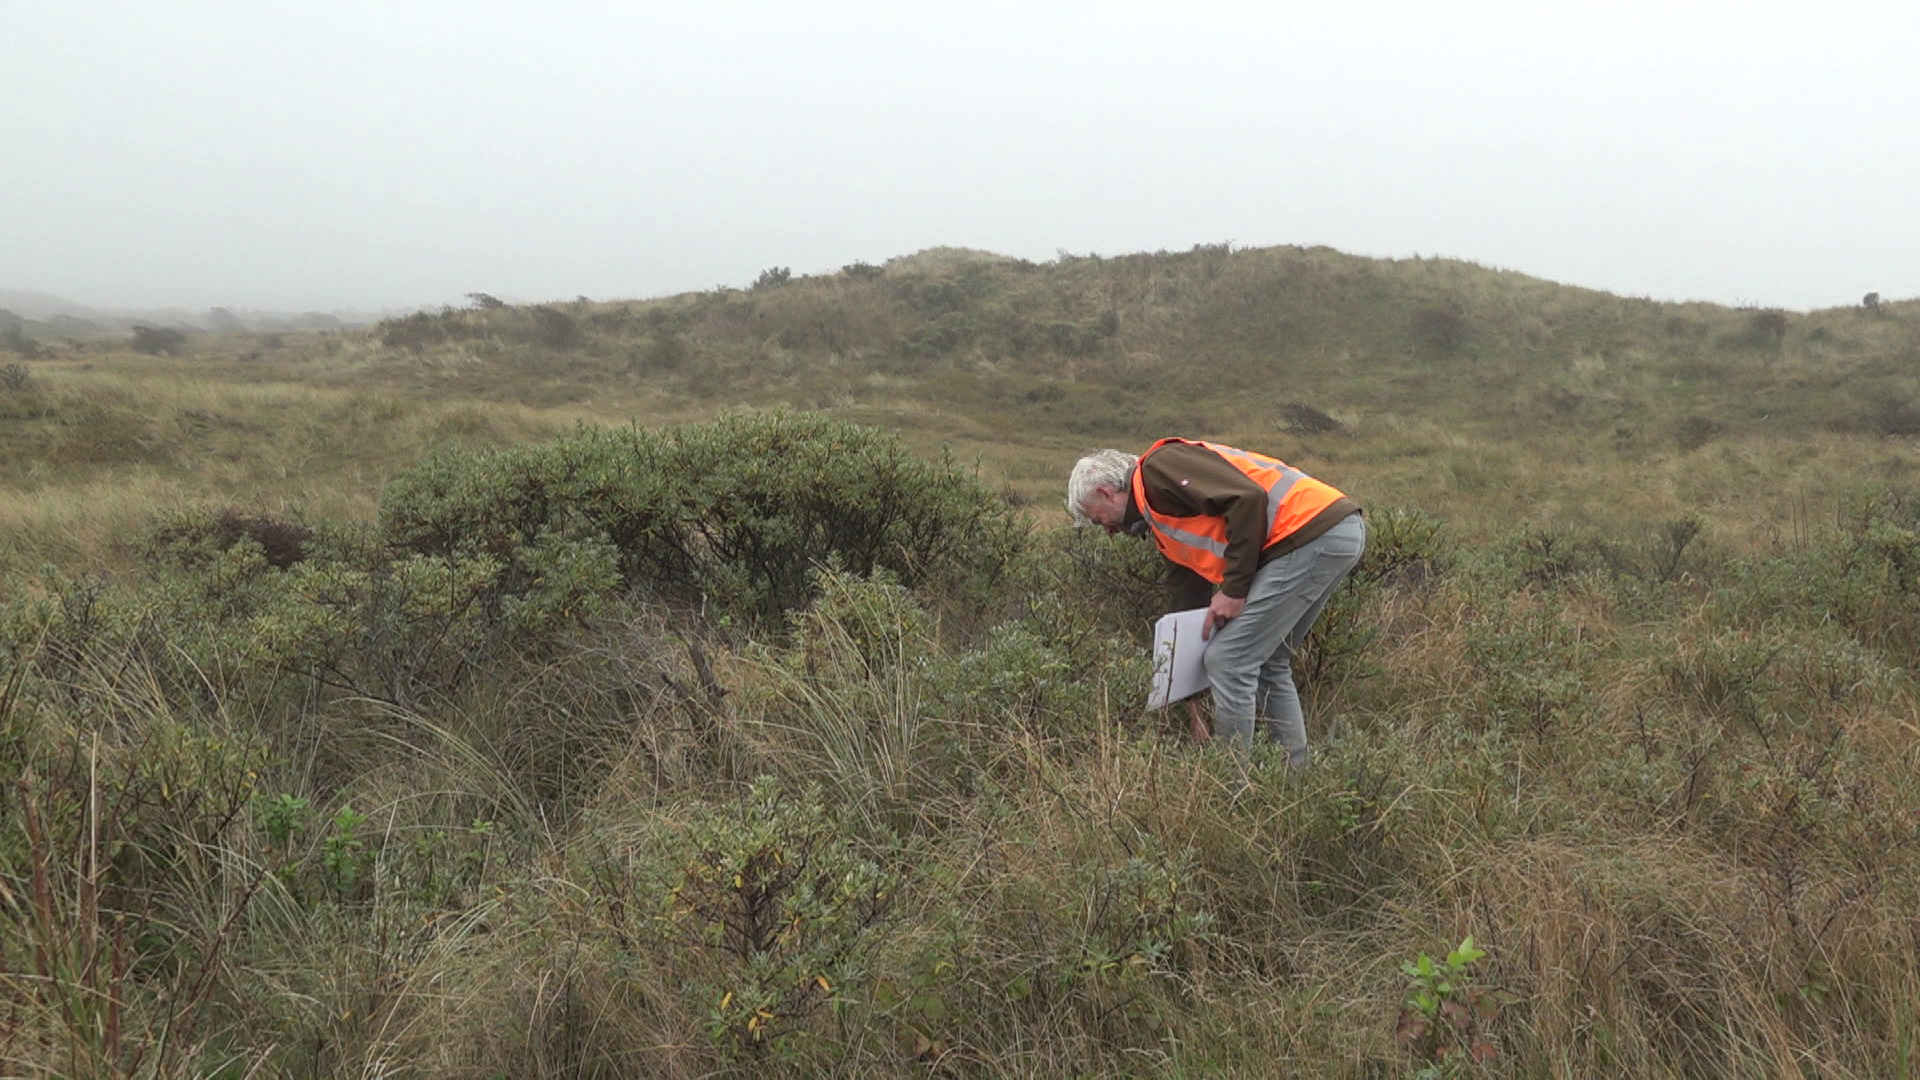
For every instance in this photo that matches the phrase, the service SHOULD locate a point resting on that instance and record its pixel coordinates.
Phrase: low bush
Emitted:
(556, 329)
(1299, 418)
(196, 536)
(158, 340)
(1439, 332)
(731, 516)
(1694, 432)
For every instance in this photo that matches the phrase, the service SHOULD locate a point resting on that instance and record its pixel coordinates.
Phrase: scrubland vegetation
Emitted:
(709, 686)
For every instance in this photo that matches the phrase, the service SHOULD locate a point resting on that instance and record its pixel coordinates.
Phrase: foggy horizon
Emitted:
(353, 156)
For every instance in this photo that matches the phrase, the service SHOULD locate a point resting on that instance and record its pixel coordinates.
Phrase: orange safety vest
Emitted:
(1200, 543)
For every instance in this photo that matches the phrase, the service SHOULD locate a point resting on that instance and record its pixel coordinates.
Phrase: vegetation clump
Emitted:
(158, 340)
(199, 536)
(731, 516)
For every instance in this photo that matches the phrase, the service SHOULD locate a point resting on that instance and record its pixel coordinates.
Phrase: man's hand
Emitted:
(1222, 608)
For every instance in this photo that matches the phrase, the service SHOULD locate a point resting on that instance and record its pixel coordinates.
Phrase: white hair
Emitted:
(1102, 468)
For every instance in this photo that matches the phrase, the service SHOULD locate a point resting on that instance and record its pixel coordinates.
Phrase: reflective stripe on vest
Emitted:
(1200, 542)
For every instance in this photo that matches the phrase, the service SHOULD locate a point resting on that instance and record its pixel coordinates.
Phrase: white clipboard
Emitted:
(1178, 672)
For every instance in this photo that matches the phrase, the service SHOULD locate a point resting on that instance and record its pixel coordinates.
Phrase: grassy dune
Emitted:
(1624, 691)
(1481, 395)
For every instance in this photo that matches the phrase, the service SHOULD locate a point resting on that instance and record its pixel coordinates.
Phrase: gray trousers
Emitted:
(1250, 660)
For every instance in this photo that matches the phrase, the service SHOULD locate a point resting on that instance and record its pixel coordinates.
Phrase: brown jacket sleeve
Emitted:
(1190, 481)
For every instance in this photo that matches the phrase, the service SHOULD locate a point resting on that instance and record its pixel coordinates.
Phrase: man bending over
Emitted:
(1272, 541)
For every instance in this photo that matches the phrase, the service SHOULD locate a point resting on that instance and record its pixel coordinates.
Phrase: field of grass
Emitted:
(452, 698)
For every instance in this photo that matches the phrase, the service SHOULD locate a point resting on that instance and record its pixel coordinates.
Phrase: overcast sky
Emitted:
(355, 154)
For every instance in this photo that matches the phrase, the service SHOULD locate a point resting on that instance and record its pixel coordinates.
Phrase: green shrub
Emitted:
(1895, 414)
(1694, 432)
(1767, 326)
(1095, 941)
(1537, 557)
(732, 515)
(1445, 1017)
(158, 340)
(1144, 916)
(1045, 675)
(1406, 549)
(182, 631)
(118, 893)
(667, 350)
(1439, 331)
(768, 912)
(415, 627)
(932, 297)
(941, 336)
(1100, 583)
(1533, 670)
(1300, 418)
(556, 329)
(1070, 338)
(413, 331)
(194, 536)
(1862, 573)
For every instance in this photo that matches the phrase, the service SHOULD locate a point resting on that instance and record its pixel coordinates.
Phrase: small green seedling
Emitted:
(1444, 1018)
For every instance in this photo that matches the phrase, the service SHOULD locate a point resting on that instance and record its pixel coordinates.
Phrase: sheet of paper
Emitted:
(1178, 673)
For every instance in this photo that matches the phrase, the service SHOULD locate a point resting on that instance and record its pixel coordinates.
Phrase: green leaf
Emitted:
(1465, 954)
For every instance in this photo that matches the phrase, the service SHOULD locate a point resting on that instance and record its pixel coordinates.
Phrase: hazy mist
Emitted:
(368, 155)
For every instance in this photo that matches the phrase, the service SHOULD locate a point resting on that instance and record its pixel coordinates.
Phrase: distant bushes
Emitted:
(1767, 326)
(1694, 432)
(1438, 331)
(415, 331)
(1894, 414)
(158, 340)
(14, 339)
(665, 351)
(556, 329)
(1758, 329)
(1683, 328)
(1299, 418)
(544, 325)
(942, 336)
